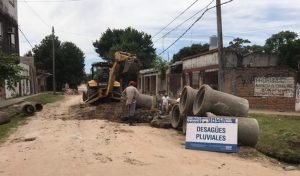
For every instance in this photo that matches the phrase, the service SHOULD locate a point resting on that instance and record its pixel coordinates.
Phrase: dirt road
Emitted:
(50, 146)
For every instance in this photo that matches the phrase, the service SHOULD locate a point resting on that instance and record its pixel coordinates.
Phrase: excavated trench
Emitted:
(112, 111)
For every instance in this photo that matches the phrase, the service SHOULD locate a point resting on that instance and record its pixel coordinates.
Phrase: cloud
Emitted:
(82, 22)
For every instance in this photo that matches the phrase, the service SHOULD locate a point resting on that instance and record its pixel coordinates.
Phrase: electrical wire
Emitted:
(184, 21)
(41, 19)
(192, 25)
(175, 18)
(25, 37)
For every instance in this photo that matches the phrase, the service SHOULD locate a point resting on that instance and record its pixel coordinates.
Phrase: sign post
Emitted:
(212, 134)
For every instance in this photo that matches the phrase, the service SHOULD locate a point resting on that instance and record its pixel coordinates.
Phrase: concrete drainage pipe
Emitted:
(248, 130)
(145, 101)
(219, 103)
(176, 117)
(4, 118)
(187, 97)
(38, 107)
(27, 108)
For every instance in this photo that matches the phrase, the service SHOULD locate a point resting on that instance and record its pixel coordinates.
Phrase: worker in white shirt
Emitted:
(165, 102)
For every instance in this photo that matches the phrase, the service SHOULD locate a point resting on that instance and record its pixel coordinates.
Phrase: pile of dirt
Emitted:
(161, 122)
(112, 111)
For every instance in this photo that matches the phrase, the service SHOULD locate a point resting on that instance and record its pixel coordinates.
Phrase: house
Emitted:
(23, 87)
(150, 82)
(257, 77)
(9, 37)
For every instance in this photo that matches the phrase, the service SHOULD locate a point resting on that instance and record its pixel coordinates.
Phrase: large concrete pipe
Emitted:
(248, 130)
(219, 103)
(145, 101)
(176, 117)
(187, 97)
(4, 118)
(38, 106)
(27, 108)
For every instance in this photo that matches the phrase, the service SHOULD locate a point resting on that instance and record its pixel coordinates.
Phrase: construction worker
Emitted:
(165, 103)
(131, 94)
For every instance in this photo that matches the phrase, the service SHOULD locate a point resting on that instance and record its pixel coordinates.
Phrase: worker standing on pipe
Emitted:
(131, 94)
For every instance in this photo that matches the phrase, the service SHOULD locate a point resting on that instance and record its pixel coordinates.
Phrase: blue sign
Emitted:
(212, 134)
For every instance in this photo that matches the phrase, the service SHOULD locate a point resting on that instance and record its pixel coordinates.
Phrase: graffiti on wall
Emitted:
(274, 86)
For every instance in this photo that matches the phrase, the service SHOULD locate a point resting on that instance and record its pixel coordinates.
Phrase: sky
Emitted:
(83, 21)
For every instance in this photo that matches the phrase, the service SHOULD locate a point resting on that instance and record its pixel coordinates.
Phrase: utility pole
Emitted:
(53, 61)
(220, 47)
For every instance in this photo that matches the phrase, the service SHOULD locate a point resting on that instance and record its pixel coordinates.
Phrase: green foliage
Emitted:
(189, 51)
(240, 47)
(287, 46)
(161, 65)
(6, 129)
(127, 40)
(279, 137)
(275, 43)
(17, 119)
(28, 54)
(69, 61)
(72, 64)
(238, 43)
(9, 70)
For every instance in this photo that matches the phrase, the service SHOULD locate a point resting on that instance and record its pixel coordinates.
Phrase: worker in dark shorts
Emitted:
(131, 94)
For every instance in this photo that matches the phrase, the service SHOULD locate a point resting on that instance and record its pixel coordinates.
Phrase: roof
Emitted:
(149, 70)
(200, 54)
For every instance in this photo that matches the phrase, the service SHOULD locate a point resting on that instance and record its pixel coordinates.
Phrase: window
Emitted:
(12, 39)
(11, 33)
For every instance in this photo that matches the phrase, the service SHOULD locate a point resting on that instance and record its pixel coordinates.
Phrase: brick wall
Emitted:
(241, 82)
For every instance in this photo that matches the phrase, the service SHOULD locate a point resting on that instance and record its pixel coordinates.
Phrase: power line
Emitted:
(25, 36)
(46, 24)
(192, 25)
(41, 19)
(184, 21)
(175, 18)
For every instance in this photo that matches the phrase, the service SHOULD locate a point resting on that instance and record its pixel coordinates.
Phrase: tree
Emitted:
(189, 51)
(280, 40)
(127, 40)
(240, 48)
(72, 62)
(9, 70)
(286, 45)
(28, 54)
(161, 65)
(69, 61)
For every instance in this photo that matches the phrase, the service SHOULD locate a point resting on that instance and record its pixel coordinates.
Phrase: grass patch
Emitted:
(6, 129)
(18, 119)
(45, 98)
(279, 136)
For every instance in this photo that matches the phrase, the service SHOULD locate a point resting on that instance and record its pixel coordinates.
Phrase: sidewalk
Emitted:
(9, 102)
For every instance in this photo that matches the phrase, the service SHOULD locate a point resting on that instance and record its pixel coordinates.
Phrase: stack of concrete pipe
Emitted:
(29, 108)
(207, 102)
